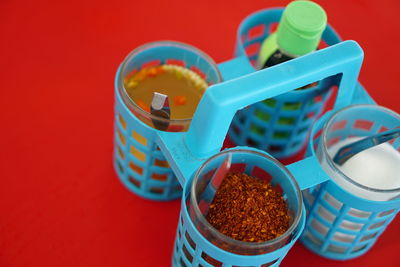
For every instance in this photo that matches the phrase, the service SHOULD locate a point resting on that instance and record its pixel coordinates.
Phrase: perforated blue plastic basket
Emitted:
(138, 162)
(279, 125)
(186, 152)
(198, 243)
(342, 225)
(192, 249)
(135, 153)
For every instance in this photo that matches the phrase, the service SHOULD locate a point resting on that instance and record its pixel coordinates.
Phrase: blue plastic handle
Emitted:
(221, 101)
(186, 151)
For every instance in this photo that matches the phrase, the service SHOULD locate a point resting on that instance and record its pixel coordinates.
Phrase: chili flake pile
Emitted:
(248, 209)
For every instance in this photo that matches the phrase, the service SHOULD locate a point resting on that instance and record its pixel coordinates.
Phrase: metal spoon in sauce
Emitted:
(160, 108)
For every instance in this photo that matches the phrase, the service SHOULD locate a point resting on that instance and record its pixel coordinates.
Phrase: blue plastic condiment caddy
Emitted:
(242, 86)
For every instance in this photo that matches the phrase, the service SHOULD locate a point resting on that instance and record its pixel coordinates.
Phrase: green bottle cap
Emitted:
(301, 27)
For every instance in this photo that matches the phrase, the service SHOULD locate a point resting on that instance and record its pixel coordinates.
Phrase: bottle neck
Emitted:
(276, 58)
(288, 53)
(272, 53)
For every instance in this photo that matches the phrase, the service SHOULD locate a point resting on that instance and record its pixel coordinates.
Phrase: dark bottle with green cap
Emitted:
(299, 33)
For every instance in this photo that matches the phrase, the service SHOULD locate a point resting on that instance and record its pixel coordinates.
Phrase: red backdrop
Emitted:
(60, 201)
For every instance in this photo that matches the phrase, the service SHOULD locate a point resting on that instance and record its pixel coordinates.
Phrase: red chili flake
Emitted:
(248, 209)
(152, 72)
(160, 70)
(143, 105)
(180, 100)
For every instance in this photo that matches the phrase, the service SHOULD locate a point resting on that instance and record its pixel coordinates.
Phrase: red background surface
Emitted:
(60, 201)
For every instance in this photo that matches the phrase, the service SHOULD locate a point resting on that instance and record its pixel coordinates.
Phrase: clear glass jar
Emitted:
(255, 164)
(353, 123)
(165, 52)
